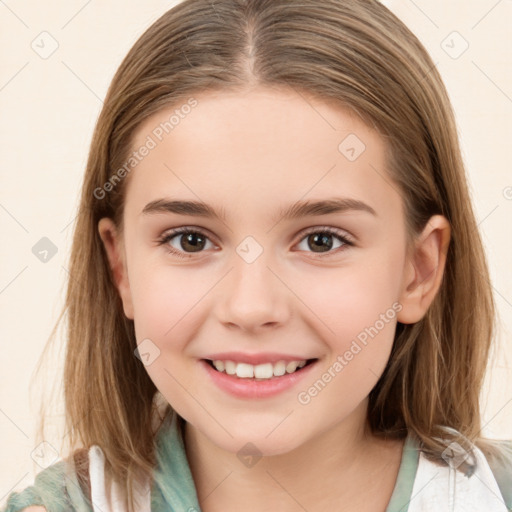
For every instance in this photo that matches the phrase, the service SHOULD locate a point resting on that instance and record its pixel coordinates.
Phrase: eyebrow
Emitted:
(293, 211)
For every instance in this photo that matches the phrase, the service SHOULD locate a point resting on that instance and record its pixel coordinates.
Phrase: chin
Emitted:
(255, 440)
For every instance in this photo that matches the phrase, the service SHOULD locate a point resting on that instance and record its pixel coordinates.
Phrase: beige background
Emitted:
(48, 110)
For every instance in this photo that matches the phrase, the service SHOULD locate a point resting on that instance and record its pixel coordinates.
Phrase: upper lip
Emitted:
(254, 359)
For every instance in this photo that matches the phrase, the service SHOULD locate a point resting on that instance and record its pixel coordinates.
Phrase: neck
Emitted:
(339, 465)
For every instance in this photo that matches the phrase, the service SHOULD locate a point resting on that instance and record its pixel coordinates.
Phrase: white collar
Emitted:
(445, 489)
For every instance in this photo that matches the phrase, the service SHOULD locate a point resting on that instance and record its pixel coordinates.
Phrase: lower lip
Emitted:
(250, 388)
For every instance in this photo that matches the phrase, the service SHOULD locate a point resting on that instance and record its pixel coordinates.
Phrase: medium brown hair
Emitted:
(355, 53)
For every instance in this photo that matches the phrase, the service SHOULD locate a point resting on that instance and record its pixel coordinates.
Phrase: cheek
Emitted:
(356, 309)
(163, 298)
(350, 299)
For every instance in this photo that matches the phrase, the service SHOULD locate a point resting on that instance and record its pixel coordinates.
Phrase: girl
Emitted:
(279, 297)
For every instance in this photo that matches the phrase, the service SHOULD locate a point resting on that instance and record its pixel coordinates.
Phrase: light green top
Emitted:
(173, 489)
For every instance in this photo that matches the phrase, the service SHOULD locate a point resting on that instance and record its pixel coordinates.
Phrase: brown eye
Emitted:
(319, 241)
(322, 240)
(182, 242)
(192, 242)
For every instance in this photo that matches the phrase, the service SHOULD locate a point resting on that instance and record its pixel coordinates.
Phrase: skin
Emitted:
(291, 299)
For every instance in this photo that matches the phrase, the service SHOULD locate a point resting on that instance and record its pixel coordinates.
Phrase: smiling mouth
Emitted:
(266, 371)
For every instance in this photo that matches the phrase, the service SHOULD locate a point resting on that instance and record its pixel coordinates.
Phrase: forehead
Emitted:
(260, 144)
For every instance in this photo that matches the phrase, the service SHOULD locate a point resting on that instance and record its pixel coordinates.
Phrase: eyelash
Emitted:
(167, 237)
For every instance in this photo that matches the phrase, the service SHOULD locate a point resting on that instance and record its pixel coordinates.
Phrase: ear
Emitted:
(423, 272)
(114, 247)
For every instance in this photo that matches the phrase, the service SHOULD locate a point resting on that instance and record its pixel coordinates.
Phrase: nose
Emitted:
(253, 296)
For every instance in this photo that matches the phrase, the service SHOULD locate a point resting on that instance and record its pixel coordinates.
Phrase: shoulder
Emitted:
(56, 488)
(499, 452)
(472, 481)
(499, 457)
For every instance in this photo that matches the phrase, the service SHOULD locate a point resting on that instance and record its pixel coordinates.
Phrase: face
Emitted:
(252, 285)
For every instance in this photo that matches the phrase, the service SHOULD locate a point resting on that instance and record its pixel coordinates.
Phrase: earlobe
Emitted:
(112, 241)
(424, 270)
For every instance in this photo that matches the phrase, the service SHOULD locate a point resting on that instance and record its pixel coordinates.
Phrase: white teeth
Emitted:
(280, 368)
(244, 370)
(230, 367)
(263, 371)
(260, 371)
(219, 365)
(291, 366)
